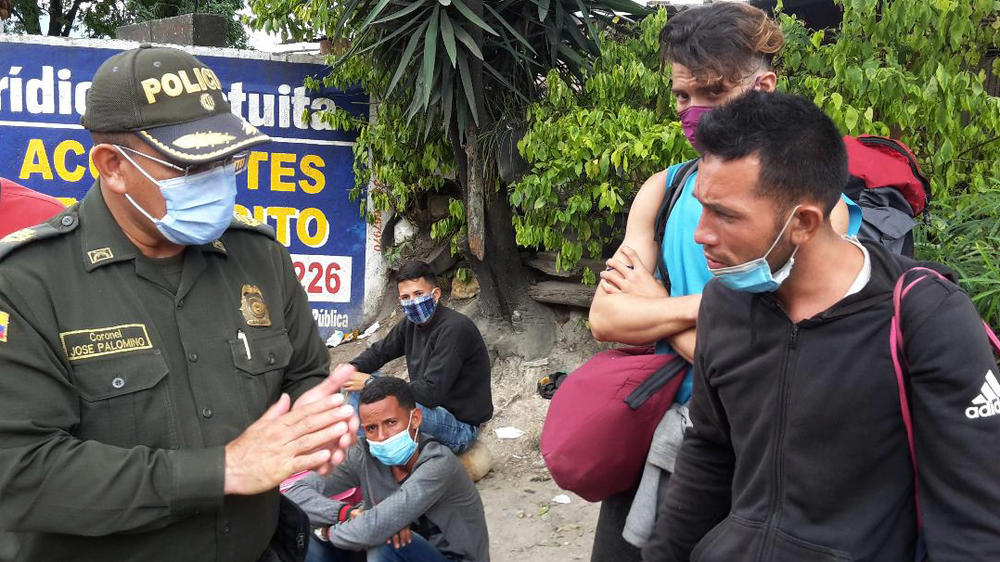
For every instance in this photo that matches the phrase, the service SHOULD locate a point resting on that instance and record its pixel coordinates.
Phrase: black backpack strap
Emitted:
(655, 381)
(670, 197)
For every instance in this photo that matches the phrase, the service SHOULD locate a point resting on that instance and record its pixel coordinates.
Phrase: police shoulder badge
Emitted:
(253, 307)
(100, 254)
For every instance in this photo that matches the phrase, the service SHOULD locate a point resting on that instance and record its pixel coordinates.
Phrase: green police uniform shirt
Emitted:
(118, 395)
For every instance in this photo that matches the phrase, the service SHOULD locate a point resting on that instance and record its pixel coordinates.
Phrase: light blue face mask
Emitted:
(755, 276)
(396, 450)
(199, 207)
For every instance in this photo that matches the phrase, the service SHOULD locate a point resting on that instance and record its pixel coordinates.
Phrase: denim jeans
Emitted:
(443, 426)
(419, 550)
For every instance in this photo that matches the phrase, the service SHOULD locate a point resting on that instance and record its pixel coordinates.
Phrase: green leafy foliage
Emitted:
(915, 71)
(452, 227)
(910, 70)
(590, 148)
(965, 235)
(430, 49)
(434, 67)
(463, 274)
(402, 164)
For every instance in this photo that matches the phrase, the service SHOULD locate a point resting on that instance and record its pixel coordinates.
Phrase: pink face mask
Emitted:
(691, 114)
(689, 121)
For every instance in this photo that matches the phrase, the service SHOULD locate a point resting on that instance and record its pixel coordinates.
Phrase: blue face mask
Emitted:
(396, 450)
(755, 276)
(199, 206)
(419, 309)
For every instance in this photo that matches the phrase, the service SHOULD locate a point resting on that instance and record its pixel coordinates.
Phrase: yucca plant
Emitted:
(435, 46)
(460, 67)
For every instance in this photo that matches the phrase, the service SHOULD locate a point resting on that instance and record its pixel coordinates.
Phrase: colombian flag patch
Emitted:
(4, 319)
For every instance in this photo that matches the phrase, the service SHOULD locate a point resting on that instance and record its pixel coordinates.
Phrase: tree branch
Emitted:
(55, 17)
(70, 17)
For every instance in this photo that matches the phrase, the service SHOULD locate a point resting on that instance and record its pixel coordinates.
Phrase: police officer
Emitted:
(160, 369)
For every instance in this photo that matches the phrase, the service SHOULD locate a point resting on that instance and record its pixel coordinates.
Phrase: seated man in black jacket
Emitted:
(446, 358)
(799, 448)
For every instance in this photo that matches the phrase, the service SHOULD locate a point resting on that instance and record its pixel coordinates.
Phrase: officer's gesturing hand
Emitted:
(285, 441)
(331, 386)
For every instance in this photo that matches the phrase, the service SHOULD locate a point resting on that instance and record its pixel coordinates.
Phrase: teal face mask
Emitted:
(755, 276)
(396, 450)
(199, 207)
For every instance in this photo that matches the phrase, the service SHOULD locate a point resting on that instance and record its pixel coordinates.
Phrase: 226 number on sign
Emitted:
(325, 278)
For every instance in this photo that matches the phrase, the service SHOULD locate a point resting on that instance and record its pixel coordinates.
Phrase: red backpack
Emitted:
(887, 184)
(601, 421)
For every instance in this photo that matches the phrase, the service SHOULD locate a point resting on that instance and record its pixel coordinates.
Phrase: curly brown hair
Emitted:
(722, 43)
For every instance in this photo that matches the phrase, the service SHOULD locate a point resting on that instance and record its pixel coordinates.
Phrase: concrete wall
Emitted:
(376, 266)
(207, 30)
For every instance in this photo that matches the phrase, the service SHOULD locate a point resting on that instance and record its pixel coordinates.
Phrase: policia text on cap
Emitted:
(162, 372)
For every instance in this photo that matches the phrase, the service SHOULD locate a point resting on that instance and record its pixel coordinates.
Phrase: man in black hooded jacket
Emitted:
(799, 449)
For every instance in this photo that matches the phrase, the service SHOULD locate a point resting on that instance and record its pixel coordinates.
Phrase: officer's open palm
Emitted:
(284, 442)
(330, 387)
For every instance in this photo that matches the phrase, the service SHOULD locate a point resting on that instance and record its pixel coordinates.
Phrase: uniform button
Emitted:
(206, 413)
(180, 303)
(117, 382)
(225, 528)
(270, 359)
(193, 357)
(67, 221)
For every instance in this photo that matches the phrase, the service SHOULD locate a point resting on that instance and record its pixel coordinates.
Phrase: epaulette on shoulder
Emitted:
(63, 223)
(249, 223)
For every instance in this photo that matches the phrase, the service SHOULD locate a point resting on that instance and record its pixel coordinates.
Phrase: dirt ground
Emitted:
(525, 524)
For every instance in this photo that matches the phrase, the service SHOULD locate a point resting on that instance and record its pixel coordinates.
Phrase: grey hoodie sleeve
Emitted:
(312, 491)
(425, 486)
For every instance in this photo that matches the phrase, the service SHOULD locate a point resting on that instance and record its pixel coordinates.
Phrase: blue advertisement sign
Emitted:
(297, 184)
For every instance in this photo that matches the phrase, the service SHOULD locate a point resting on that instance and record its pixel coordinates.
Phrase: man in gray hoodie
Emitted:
(419, 504)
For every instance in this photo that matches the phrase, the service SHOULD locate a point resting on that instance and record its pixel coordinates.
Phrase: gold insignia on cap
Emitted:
(249, 221)
(18, 236)
(201, 140)
(99, 255)
(218, 245)
(207, 101)
(253, 308)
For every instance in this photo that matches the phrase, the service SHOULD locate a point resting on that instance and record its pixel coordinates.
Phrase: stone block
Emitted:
(205, 30)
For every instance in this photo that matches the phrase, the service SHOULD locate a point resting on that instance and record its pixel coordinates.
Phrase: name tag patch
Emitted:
(95, 342)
